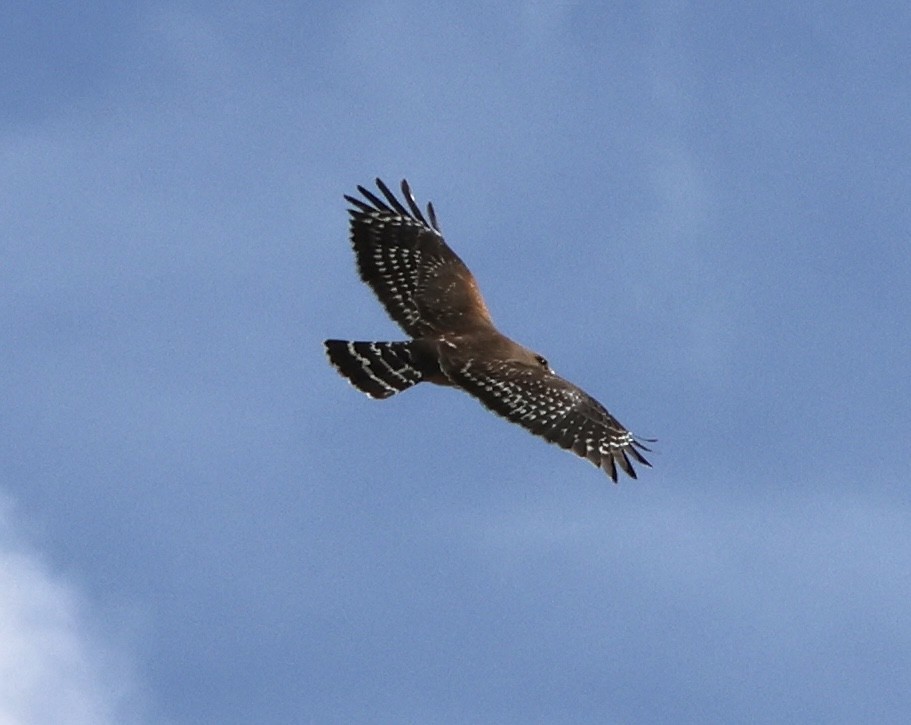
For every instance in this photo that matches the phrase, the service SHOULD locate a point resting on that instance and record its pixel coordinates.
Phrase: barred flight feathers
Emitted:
(421, 282)
(553, 408)
(427, 289)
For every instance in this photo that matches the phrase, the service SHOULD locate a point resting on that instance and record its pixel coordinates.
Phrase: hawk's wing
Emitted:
(553, 408)
(401, 254)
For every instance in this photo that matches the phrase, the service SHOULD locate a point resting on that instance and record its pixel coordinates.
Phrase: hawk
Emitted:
(427, 289)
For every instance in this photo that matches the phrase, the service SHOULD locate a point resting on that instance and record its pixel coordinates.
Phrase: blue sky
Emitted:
(698, 214)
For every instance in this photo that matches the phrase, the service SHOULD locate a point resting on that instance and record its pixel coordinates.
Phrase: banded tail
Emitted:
(379, 369)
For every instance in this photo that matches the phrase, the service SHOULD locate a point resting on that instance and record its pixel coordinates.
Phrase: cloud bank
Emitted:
(55, 666)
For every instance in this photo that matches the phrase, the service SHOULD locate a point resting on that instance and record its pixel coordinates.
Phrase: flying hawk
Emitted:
(432, 295)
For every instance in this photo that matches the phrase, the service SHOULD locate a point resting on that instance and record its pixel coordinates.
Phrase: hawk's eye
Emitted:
(542, 361)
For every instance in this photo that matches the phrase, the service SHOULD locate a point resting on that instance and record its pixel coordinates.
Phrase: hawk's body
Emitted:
(433, 296)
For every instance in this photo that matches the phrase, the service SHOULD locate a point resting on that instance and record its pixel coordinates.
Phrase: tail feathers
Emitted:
(379, 369)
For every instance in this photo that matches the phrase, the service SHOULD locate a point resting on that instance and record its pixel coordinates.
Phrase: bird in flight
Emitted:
(427, 289)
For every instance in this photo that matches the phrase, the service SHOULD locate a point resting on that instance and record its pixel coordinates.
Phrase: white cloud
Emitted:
(54, 666)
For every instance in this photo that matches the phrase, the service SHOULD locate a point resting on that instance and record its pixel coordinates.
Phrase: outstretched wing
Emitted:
(555, 409)
(401, 254)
